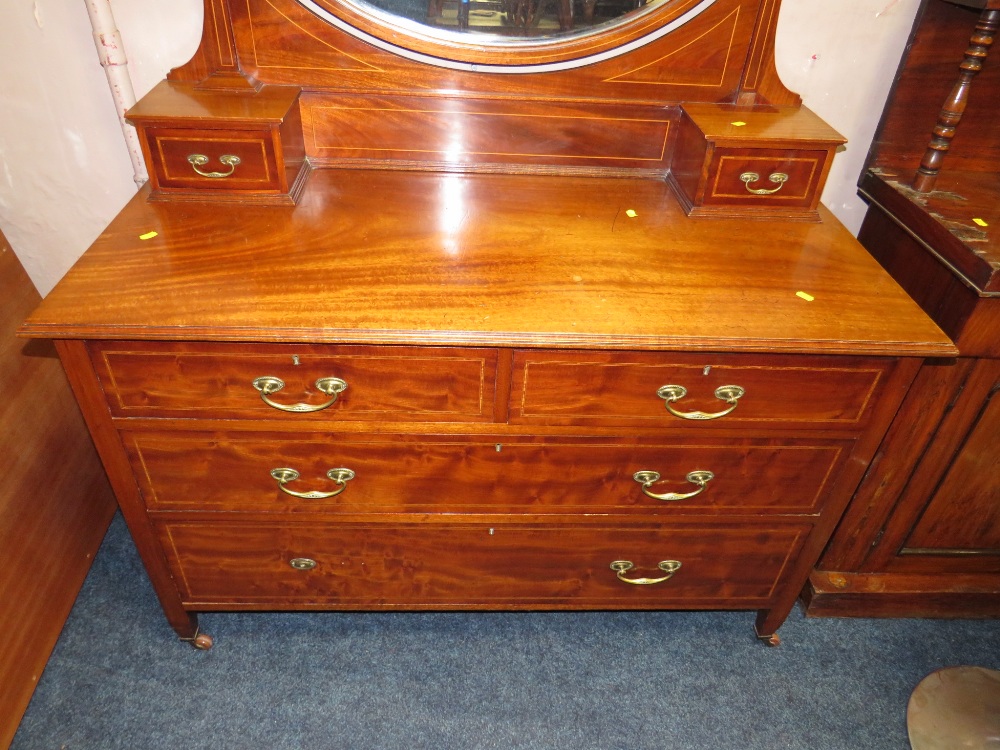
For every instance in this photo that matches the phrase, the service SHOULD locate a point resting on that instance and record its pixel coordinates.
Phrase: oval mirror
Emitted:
(508, 36)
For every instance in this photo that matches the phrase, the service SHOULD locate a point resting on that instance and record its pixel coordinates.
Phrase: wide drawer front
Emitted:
(297, 382)
(434, 474)
(477, 565)
(584, 388)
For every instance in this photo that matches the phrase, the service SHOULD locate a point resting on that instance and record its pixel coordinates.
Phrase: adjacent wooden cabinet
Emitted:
(922, 534)
(485, 359)
(55, 503)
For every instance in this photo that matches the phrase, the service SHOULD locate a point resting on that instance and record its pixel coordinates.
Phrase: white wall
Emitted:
(65, 171)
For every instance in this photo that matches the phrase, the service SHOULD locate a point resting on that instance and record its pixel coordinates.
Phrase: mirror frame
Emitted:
(449, 49)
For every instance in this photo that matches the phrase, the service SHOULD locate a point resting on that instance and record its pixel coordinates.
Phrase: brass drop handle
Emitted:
(621, 567)
(302, 563)
(285, 475)
(269, 384)
(200, 160)
(728, 393)
(779, 178)
(648, 478)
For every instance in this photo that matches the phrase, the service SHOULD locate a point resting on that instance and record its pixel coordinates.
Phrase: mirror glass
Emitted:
(515, 18)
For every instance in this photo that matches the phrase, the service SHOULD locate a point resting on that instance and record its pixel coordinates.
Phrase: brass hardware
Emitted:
(648, 478)
(302, 563)
(285, 475)
(200, 160)
(779, 178)
(269, 384)
(728, 393)
(621, 567)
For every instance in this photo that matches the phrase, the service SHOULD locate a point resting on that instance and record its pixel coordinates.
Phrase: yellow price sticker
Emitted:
(631, 213)
(738, 124)
(980, 222)
(805, 295)
(147, 236)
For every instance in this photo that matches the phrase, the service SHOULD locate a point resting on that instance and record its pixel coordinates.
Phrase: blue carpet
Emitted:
(408, 681)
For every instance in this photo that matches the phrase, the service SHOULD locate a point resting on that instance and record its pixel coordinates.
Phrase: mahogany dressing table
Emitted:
(434, 319)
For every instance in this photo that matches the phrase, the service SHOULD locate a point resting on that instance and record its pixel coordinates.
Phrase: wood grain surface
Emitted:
(493, 260)
(55, 503)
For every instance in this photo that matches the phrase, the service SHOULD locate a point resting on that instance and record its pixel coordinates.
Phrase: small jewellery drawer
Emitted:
(472, 565)
(214, 160)
(594, 388)
(765, 162)
(203, 144)
(348, 474)
(764, 176)
(293, 382)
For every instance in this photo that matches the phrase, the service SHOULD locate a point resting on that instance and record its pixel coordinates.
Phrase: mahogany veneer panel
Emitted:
(383, 383)
(55, 503)
(482, 267)
(621, 389)
(474, 565)
(485, 474)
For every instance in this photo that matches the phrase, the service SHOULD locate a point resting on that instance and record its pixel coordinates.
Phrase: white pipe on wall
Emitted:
(115, 64)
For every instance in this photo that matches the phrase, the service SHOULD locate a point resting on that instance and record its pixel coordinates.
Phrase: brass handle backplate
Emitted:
(269, 384)
(728, 393)
(285, 475)
(302, 563)
(621, 567)
(779, 178)
(200, 160)
(648, 478)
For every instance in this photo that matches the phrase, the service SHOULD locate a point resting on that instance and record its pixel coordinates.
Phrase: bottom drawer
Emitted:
(442, 564)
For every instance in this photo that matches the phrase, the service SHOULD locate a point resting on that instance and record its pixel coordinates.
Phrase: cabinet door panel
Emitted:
(964, 513)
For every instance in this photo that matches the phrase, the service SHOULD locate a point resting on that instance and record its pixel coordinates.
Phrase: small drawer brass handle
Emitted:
(200, 160)
(779, 178)
(302, 563)
(621, 567)
(648, 478)
(269, 384)
(728, 393)
(285, 475)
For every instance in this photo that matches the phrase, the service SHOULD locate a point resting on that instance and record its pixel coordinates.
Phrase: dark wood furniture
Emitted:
(55, 503)
(922, 535)
(486, 361)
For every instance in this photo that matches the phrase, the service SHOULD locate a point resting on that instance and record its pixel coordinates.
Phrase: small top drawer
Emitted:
(688, 390)
(751, 161)
(213, 159)
(761, 177)
(293, 382)
(238, 146)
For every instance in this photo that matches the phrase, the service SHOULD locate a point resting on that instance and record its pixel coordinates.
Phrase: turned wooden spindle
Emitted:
(954, 106)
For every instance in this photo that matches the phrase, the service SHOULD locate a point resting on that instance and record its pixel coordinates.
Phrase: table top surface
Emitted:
(404, 257)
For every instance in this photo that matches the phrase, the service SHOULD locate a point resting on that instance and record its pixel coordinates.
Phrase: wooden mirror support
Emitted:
(407, 322)
(686, 90)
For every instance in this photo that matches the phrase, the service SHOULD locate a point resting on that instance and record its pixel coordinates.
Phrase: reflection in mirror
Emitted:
(515, 18)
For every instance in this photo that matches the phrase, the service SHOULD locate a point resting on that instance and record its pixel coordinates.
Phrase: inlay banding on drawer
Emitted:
(475, 565)
(569, 388)
(228, 381)
(482, 474)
